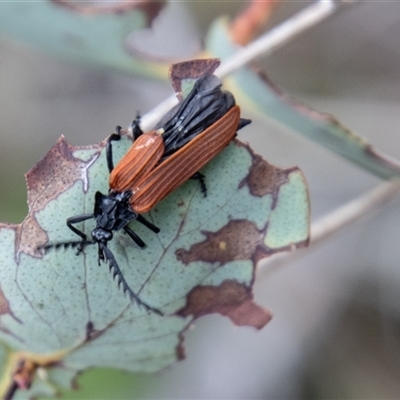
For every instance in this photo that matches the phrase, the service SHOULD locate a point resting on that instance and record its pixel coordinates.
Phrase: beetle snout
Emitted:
(101, 235)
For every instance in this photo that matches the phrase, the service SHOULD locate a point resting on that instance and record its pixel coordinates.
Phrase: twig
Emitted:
(279, 35)
(337, 220)
(264, 45)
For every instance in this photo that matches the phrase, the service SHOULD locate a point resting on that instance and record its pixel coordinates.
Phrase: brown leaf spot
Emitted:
(5, 309)
(235, 241)
(264, 178)
(191, 69)
(180, 348)
(250, 314)
(89, 330)
(386, 162)
(231, 299)
(24, 373)
(5, 306)
(55, 173)
(28, 236)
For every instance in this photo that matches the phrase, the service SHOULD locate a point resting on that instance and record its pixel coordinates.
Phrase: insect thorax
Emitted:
(113, 212)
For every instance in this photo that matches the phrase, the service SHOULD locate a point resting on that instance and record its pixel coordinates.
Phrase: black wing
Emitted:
(205, 104)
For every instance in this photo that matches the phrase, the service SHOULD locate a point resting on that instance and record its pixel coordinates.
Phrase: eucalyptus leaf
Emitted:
(63, 310)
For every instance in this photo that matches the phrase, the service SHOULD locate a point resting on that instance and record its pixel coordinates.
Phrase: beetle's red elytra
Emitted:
(150, 186)
(138, 162)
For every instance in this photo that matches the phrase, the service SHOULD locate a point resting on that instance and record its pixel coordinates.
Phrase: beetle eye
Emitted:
(108, 235)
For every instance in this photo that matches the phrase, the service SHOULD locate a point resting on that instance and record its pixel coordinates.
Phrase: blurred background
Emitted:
(336, 326)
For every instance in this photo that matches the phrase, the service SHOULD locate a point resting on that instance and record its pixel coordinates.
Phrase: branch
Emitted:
(337, 220)
(264, 45)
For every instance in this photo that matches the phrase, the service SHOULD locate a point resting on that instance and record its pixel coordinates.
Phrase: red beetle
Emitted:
(159, 161)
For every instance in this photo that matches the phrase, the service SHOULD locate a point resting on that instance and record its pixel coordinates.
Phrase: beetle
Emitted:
(158, 161)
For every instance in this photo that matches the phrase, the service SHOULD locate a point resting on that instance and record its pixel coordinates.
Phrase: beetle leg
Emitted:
(134, 237)
(135, 126)
(78, 244)
(75, 220)
(147, 224)
(114, 136)
(115, 270)
(200, 177)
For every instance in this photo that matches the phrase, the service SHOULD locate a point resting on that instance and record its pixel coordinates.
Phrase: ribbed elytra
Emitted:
(150, 189)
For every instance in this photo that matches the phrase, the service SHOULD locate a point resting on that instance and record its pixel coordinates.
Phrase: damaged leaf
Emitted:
(64, 311)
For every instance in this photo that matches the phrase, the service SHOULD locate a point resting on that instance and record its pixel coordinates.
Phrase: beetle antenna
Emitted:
(72, 244)
(116, 272)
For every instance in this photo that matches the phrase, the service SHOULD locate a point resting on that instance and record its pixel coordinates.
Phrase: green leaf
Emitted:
(84, 32)
(63, 311)
(254, 90)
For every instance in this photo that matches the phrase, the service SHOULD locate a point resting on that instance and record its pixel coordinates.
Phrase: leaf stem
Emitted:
(337, 220)
(264, 45)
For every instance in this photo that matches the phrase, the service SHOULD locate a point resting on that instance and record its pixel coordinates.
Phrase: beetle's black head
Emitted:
(112, 213)
(101, 235)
